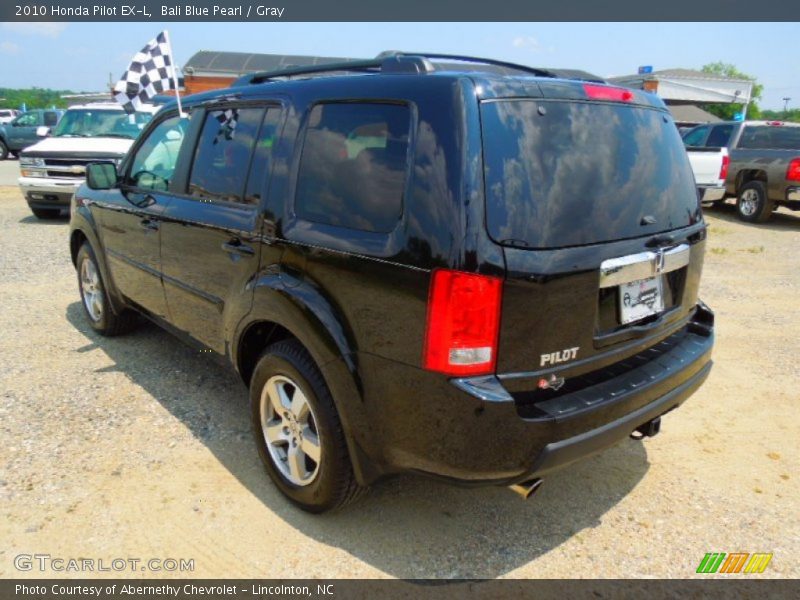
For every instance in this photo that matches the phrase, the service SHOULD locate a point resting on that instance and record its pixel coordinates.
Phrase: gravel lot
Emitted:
(139, 447)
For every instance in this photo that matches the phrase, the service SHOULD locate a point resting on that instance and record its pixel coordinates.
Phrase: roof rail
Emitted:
(386, 62)
(470, 59)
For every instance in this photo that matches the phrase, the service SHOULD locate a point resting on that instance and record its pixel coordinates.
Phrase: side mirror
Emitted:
(43, 131)
(101, 175)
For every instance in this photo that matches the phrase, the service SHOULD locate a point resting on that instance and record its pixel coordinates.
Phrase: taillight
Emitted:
(723, 171)
(793, 172)
(463, 323)
(604, 92)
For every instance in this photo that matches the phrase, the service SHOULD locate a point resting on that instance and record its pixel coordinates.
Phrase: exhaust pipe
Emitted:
(526, 489)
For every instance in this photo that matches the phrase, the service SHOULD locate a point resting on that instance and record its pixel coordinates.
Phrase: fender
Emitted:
(301, 308)
(82, 222)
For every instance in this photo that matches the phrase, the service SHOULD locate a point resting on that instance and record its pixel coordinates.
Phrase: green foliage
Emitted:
(793, 114)
(33, 98)
(729, 111)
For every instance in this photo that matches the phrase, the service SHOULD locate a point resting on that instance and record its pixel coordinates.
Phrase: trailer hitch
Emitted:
(649, 429)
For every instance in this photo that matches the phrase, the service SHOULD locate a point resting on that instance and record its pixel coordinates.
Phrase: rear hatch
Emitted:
(593, 201)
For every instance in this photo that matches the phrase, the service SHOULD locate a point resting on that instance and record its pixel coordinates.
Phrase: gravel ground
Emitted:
(139, 447)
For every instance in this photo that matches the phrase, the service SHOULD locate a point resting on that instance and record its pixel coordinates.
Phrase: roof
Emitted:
(689, 113)
(234, 64)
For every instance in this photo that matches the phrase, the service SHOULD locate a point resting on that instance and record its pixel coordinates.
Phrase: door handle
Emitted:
(149, 225)
(235, 246)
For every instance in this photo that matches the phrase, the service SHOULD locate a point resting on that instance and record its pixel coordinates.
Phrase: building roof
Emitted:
(689, 113)
(234, 64)
(688, 74)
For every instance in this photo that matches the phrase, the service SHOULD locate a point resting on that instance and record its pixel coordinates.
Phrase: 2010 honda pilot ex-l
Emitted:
(462, 268)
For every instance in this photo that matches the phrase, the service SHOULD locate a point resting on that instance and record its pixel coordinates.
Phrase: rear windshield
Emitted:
(574, 173)
(770, 137)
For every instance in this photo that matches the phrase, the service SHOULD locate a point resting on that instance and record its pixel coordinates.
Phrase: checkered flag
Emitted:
(227, 119)
(151, 72)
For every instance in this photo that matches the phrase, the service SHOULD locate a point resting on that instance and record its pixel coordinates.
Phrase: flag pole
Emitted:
(174, 74)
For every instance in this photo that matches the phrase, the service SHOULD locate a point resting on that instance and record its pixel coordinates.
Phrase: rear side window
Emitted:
(577, 173)
(770, 137)
(223, 154)
(353, 166)
(720, 134)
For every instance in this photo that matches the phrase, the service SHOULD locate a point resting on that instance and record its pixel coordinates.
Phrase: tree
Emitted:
(729, 111)
(33, 98)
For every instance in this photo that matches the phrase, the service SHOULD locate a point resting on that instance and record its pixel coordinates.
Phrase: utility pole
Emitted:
(786, 106)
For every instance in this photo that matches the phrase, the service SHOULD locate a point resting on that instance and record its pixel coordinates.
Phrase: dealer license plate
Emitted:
(640, 299)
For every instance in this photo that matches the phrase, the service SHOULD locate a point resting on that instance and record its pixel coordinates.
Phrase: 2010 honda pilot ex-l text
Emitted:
(463, 268)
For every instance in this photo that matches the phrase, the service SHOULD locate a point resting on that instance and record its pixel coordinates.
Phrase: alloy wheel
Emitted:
(290, 430)
(91, 290)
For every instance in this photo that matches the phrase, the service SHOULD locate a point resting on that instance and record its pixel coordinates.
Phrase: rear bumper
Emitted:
(560, 454)
(475, 432)
(42, 192)
(711, 193)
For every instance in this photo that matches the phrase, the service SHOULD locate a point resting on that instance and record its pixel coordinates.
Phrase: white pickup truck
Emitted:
(54, 168)
(710, 167)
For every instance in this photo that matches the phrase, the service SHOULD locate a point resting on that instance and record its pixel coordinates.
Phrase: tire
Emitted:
(3, 150)
(94, 297)
(320, 478)
(46, 213)
(753, 205)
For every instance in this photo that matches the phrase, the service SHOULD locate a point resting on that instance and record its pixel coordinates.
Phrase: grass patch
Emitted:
(717, 230)
(755, 249)
(718, 250)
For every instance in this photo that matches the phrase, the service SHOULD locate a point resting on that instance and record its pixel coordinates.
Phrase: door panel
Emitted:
(130, 229)
(209, 252)
(131, 221)
(211, 239)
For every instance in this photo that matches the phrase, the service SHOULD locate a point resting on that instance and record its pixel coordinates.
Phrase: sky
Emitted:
(80, 56)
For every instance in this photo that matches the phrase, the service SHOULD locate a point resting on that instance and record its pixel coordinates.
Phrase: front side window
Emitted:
(26, 120)
(696, 136)
(223, 153)
(154, 163)
(353, 166)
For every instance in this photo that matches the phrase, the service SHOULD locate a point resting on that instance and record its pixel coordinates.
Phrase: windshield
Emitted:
(560, 173)
(101, 123)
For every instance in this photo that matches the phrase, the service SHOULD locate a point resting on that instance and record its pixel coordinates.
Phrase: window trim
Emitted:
(341, 231)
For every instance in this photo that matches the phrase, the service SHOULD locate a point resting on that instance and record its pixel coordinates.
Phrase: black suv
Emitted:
(463, 268)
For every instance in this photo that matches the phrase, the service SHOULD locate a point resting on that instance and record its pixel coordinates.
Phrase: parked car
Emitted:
(7, 115)
(448, 270)
(764, 171)
(710, 167)
(52, 169)
(25, 130)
